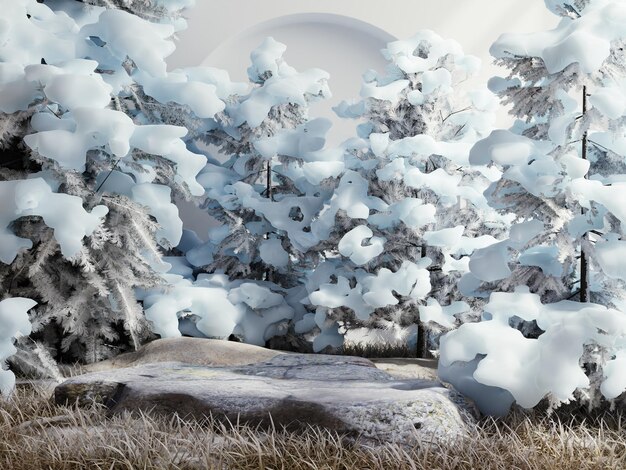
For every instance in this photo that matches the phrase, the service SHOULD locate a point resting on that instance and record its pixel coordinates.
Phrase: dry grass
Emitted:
(376, 350)
(39, 435)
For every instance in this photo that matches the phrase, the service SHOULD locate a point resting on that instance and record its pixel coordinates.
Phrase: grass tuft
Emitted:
(376, 350)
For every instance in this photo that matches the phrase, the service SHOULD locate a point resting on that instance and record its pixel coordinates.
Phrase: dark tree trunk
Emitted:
(269, 275)
(584, 261)
(422, 341)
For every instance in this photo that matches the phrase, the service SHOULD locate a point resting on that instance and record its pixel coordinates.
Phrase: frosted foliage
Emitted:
(71, 84)
(528, 162)
(585, 40)
(267, 60)
(374, 291)
(351, 196)
(360, 245)
(567, 7)
(217, 315)
(397, 222)
(218, 307)
(127, 35)
(444, 316)
(611, 256)
(273, 253)
(266, 187)
(302, 142)
(76, 89)
(90, 128)
(531, 369)
(422, 53)
(67, 140)
(178, 87)
(291, 88)
(562, 166)
(61, 212)
(158, 199)
(255, 296)
(274, 212)
(58, 37)
(84, 86)
(166, 141)
(490, 263)
(562, 176)
(611, 197)
(50, 37)
(155, 197)
(615, 379)
(610, 101)
(14, 323)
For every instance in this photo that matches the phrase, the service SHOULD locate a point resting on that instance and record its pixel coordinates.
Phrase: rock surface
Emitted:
(346, 394)
(408, 368)
(196, 351)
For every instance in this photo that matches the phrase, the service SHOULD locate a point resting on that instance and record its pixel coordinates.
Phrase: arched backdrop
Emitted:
(343, 37)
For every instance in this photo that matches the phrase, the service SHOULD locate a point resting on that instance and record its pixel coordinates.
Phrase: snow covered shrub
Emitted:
(91, 147)
(513, 367)
(264, 188)
(408, 209)
(15, 323)
(564, 177)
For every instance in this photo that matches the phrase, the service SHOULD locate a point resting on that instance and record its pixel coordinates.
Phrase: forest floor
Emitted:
(37, 434)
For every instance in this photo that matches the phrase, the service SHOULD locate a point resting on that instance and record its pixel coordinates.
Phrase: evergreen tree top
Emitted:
(585, 39)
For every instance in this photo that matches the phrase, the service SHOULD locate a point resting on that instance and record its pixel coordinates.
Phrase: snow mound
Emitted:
(15, 323)
(531, 369)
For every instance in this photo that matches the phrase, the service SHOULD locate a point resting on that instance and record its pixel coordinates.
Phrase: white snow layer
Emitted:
(374, 291)
(15, 323)
(219, 308)
(585, 40)
(530, 369)
(61, 212)
(77, 95)
(360, 245)
(281, 84)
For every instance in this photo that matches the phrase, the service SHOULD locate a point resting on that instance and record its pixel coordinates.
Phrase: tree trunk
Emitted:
(584, 261)
(269, 275)
(422, 341)
(268, 180)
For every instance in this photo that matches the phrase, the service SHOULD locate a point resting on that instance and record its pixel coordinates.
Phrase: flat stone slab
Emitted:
(345, 394)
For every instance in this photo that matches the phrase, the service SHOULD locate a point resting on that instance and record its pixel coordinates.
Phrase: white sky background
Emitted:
(474, 23)
(222, 34)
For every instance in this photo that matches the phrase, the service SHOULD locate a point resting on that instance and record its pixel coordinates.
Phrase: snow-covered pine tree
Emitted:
(563, 177)
(264, 137)
(409, 209)
(562, 102)
(77, 115)
(264, 187)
